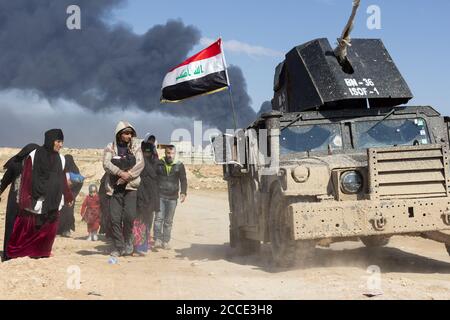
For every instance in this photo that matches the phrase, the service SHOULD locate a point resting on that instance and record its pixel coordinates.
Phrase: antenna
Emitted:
(345, 41)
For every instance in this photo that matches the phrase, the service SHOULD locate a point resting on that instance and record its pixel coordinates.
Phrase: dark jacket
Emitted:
(148, 192)
(170, 182)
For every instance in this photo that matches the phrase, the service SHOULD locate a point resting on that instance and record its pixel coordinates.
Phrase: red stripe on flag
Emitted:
(212, 51)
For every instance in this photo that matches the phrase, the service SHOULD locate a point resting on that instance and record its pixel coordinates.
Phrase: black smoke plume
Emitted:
(103, 66)
(265, 107)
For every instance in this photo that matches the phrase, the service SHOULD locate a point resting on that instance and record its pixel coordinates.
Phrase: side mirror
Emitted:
(225, 150)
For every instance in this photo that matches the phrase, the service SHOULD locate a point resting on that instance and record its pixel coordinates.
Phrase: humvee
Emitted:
(344, 158)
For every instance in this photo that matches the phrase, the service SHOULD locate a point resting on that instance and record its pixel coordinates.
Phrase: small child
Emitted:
(90, 212)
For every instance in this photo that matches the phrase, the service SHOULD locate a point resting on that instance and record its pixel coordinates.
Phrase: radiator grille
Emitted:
(408, 172)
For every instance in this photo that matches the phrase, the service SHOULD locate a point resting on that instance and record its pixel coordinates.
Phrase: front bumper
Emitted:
(367, 218)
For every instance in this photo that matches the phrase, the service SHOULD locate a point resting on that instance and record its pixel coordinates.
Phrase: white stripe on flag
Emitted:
(194, 70)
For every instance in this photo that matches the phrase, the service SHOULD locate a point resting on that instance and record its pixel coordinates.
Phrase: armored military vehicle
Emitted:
(339, 158)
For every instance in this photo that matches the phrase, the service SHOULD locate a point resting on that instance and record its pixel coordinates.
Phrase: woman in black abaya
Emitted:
(13, 169)
(67, 217)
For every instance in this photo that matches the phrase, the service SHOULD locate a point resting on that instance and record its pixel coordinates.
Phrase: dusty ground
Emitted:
(202, 266)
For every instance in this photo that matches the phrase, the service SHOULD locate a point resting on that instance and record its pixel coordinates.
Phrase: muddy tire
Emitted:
(375, 241)
(285, 250)
(243, 246)
(247, 247)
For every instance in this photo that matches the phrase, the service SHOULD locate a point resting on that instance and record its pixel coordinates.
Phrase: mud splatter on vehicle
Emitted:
(340, 157)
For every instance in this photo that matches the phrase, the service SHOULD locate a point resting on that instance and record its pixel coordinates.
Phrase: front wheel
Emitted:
(247, 247)
(284, 249)
(243, 246)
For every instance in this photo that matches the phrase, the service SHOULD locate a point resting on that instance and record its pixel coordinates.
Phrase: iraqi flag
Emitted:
(201, 74)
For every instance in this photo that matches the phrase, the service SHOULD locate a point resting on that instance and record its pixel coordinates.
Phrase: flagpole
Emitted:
(233, 109)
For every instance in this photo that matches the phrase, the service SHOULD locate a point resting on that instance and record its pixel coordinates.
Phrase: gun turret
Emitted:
(359, 73)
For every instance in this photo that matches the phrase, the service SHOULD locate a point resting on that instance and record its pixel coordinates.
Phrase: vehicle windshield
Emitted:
(403, 132)
(310, 138)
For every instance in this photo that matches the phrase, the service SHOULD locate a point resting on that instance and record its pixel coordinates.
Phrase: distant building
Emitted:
(187, 153)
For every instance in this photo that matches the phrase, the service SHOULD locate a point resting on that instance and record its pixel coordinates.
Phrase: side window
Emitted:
(252, 147)
(222, 147)
(228, 149)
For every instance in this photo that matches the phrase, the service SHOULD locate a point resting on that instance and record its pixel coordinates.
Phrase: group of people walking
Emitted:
(138, 192)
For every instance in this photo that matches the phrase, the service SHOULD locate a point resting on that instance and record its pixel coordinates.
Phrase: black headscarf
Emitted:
(48, 175)
(72, 167)
(19, 157)
(14, 166)
(70, 164)
(147, 147)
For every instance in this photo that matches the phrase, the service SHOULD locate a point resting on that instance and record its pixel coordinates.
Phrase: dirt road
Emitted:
(202, 266)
